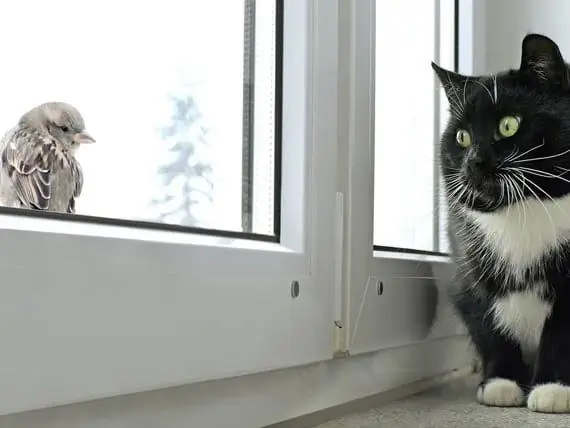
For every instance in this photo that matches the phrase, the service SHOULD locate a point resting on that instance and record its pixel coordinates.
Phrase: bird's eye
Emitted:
(509, 125)
(64, 128)
(463, 138)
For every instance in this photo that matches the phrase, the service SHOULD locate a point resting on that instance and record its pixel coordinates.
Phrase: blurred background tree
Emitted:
(186, 176)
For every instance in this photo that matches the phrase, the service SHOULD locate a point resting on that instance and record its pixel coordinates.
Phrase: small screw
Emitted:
(294, 289)
(379, 287)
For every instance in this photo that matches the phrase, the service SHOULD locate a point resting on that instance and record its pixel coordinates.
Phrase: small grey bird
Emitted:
(39, 170)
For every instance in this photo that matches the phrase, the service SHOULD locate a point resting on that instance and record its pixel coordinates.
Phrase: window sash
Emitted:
(102, 310)
(391, 296)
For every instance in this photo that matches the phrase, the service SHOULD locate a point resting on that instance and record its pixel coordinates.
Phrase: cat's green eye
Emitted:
(463, 138)
(509, 125)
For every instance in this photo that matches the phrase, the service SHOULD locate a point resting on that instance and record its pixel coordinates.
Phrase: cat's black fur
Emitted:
(480, 185)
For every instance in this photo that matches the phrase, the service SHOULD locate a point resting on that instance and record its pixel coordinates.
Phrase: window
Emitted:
(270, 264)
(410, 110)
(395, 261)
(112, 307)
(185, 105)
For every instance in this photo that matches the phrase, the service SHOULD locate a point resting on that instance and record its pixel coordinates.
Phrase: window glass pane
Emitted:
(175, 92)
(406, 200)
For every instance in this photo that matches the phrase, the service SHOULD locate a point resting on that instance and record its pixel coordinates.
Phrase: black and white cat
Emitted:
(505, 161)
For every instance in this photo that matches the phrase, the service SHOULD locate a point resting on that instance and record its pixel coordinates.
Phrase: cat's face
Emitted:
(508, 138)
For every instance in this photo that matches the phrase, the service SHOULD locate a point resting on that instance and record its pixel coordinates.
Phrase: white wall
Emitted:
(507, 22)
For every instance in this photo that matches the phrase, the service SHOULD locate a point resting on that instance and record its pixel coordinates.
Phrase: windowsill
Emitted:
(79, 228)
(265, 398)
(426, 258)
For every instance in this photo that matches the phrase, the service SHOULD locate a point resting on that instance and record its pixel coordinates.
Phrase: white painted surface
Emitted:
(258, 400)
(508, 21)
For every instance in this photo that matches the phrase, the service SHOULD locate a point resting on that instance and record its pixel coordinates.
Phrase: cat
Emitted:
(505, 165)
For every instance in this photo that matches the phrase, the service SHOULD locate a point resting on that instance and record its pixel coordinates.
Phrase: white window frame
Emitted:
(390, 299)
(92, 311)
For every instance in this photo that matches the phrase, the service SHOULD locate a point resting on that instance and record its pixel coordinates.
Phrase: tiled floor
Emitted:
(451, 406)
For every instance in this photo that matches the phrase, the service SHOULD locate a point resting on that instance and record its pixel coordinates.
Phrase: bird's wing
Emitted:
(26, 158)
(77, 177)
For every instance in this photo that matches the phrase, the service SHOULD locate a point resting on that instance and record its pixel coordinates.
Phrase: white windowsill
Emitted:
(427, 258)
(77, 228)
(265, 398)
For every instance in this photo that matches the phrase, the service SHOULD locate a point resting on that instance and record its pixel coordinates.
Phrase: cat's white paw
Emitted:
(500, 393)
(550, 398)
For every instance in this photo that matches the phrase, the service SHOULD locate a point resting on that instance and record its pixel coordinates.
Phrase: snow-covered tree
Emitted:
(186, 174)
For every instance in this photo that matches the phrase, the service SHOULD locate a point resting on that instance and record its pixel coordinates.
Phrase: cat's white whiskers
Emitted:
(455, 110)
(543, 174)
(454, 191)
(465, 91)
(510, 157)
(539, 173)
(542, 158)
(456, 94)
(495, 87)
(456, 196)
(502, 182)
(539, 200)
(521, 210)
(487, 89)
(521, 198)
(511, 186)
(527, 152)
(564, 170)
(564, 213)
(509, 195)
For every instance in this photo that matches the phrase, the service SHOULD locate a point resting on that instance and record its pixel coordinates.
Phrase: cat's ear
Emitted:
(542, 61)
(454, 84)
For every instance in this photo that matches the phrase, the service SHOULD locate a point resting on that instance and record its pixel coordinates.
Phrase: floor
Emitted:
(450, 406)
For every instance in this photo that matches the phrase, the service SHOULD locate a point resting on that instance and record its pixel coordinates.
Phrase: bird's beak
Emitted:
(83, 138)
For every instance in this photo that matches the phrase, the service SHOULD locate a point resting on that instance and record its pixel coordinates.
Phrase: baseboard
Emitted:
(363, 404)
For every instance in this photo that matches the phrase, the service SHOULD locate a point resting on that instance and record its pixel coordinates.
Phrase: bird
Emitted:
(38, 169)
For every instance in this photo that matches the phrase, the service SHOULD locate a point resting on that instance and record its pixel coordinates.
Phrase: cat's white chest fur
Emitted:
(521, 234)
(521, 316)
